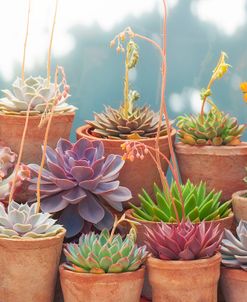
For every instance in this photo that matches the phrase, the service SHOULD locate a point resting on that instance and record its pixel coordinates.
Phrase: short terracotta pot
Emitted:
(233, 284)
(140, 173)
(239, 205)
(84, 287)
(11, 129)
(29, 268)
(222, 167)
(184, 281)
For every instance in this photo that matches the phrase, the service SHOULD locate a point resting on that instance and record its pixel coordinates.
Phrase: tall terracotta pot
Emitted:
(184, 281)
(239, 205)
(84, 287)
(11, 129)
(29, 268)
(222, 167)
(140, 173)
(233, 284)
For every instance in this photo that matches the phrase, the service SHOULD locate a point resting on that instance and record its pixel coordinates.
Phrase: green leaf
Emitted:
(147, 197)
(161, 215)
(146, 205)
(163, 204)
(105, 263)
(205, 210)
(224, 207)
(190, 203)
(193, 215)
(104, 252)
(141, 213)
(115, 268)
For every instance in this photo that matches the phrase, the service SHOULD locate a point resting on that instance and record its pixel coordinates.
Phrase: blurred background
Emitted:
(197, 31)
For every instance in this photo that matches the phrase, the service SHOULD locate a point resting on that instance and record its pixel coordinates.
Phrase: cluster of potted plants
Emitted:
(127, 231)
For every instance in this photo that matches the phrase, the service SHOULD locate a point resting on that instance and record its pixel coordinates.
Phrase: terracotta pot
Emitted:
(147, 291)
(140, 173)
(222, 167)
(233, 284)
(184, 281)
(239, 205)
(11, 128)
(29, 268)
(84, 287)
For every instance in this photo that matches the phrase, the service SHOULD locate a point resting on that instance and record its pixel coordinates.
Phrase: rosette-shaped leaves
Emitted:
(21, 220)
(78, 182)
(35, 90)
(185, 241)
(95, 253)
(234, 249)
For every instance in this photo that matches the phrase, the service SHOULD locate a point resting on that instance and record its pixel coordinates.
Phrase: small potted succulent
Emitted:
(130, 122)
(233, 278)
(38, 95)
(210, 148)
(103, 267)
(185, 264)
(82, 183)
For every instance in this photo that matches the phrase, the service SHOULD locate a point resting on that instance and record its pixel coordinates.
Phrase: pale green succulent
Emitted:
(36, 90)
(22, 221)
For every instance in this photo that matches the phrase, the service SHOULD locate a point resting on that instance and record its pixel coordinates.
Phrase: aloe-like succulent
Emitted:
(184, 241)
(22, 221)
(216, 129)
(38, 91)
(78, 183)
(198, 204)
(234, 248)
(96, 253)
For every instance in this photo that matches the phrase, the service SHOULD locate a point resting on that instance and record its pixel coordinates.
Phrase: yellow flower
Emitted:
(222, 66)
(243, 87)
(245, 97)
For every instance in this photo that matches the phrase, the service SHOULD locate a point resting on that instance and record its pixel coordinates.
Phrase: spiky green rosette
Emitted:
(96, 254)
(234, 249)
(216, 129)
(199, 205)
(22, 221)
(36, 90)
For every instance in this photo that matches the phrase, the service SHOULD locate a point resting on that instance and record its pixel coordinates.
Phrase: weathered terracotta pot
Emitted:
(147, 291)
(222, 167)
(11, 129)
(140, 173)
(184, 281)
(83, 287)
(233, 284)
(239, 205)
(29, 268)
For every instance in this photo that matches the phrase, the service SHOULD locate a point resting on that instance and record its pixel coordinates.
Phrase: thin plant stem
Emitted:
(126, 87)
(50, 46)
(25, 43)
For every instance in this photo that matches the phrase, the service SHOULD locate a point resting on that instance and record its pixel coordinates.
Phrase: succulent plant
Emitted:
(184, 241)
(95, 253)
(234, 249)
(21, 220)
(7, 160)
(199, 205)
(36, 90)
(216, 129)
(78, 182)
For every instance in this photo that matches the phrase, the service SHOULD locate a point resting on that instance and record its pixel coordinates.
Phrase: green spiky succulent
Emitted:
(128, 121)
(96, 253)
(217, 128)
(36, 90)
(199, 205)
(22, 221)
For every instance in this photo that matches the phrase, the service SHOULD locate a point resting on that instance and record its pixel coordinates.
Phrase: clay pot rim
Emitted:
(181, 265)
(33, 240)
(129, 213)
(233, 273)
(85, 131)
(34, 117)
(213, 150)
(99, 277)
(239, 195)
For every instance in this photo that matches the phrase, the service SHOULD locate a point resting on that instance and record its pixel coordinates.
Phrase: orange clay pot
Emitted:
(147, 291)
(222, 167)
(184, 281)
(29, 268)
(11, 129)
(86, 287)
(140, 173)
(239, 205)
(233, 284)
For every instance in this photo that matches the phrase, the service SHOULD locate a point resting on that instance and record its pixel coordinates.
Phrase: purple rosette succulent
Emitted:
(79, 183)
